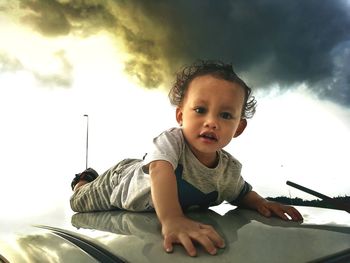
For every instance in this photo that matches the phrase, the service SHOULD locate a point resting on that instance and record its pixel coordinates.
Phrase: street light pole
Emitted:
(87, 140)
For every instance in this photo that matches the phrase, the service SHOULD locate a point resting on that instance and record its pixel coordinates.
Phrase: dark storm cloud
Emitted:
(287, 42)
(55, 18)
(47, 17)
(269, 41)
(125, 21)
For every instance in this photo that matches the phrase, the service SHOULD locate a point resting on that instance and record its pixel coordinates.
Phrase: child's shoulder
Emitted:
(170, 136)
(172, 132)
(230, 158)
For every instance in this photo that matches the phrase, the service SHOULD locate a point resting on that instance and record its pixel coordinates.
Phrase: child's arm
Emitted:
(267, 208)
(176, 227)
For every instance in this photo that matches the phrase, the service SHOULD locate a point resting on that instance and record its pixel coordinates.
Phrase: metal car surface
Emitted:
(119, 236)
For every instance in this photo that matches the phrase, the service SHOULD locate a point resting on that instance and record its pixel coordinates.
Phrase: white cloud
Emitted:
(295, 136)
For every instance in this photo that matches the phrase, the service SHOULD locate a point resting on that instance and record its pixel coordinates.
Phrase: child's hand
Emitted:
(184, 231)
(268, 208)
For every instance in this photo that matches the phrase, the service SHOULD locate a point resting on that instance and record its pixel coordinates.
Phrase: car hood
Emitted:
(119, 236)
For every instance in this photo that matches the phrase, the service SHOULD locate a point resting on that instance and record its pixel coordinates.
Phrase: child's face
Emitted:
(210, 115)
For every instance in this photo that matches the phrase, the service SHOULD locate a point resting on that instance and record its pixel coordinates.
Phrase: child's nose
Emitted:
(211, 122)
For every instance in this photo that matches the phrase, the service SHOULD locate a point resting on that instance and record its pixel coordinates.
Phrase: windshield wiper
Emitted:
(337, 204)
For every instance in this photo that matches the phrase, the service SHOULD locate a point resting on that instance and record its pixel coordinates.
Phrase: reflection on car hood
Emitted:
(119, 236)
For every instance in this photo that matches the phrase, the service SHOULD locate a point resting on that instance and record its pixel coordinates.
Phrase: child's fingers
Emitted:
(294, 214)
(264, 211)
(213, 235)
(168, 244)
(186, 241)
(281, 213)
(182, 239)
(206, 236)
(205, 241)
(282, 210)
(299, 215)
(278, 211)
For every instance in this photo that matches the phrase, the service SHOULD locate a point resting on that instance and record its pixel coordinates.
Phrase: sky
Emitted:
(115, 61)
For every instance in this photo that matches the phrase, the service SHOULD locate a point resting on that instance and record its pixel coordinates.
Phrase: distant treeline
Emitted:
(301, 202)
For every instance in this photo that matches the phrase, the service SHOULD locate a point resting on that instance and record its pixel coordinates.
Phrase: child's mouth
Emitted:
(209, 136)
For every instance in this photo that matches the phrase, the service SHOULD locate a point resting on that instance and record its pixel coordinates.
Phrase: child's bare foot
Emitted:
(79, 184)
(82, 178)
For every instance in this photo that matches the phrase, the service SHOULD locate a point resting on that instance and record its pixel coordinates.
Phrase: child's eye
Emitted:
(200, 110)
(226, 115)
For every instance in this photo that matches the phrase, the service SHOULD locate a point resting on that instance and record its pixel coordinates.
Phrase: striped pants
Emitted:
(94, 196)
(124, 186)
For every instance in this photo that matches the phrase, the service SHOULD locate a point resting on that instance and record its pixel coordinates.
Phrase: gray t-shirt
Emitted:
(198, 185)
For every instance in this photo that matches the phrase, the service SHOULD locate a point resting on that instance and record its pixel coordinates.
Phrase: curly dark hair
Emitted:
(217, 69)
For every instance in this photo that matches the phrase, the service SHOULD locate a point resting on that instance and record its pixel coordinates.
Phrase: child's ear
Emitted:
(179, 115)
(241, 127)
